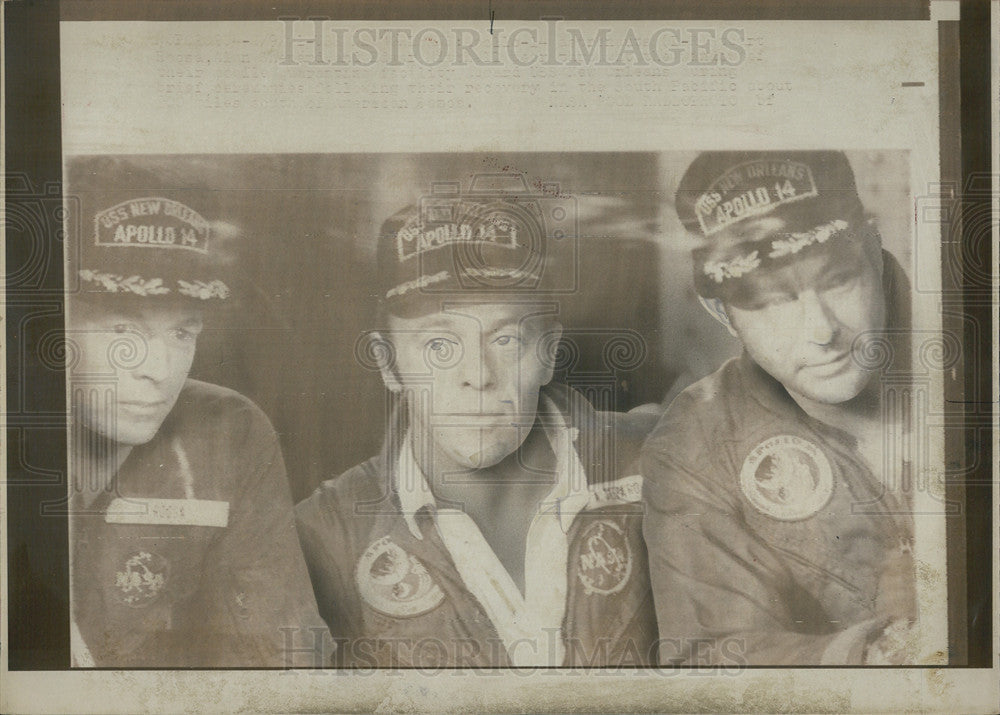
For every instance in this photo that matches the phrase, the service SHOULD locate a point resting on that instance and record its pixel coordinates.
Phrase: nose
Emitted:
(477, 370)
(818, 318)
(155, 365)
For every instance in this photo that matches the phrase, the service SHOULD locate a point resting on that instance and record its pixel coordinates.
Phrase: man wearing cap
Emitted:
(184, 552)
(499, 525)
(775, 533)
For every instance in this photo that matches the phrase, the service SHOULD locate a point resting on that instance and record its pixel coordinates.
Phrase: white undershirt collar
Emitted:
(530, 624)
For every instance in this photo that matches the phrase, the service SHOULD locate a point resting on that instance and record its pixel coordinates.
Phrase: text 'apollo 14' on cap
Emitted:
(490, 244)
(756, 210)
(148, 235)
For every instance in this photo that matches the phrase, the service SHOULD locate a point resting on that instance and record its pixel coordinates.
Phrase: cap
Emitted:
(723, 194)
(449, 246)
(147, 235)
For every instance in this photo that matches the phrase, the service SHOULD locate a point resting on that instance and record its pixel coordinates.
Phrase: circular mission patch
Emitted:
(787, 477)
(394, 582)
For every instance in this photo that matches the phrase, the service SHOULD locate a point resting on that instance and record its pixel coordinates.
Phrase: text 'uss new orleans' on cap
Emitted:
(143, 235)
(756, 210)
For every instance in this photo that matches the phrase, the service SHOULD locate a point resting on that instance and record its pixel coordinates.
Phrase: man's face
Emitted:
(801, 321)
(141, 352)
(471, 374)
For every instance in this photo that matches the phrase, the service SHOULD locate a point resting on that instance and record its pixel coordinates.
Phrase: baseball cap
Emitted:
(147, 234)
(723, 195)
(461, 247)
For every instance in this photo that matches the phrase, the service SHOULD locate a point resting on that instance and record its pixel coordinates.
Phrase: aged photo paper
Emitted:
(510, 363)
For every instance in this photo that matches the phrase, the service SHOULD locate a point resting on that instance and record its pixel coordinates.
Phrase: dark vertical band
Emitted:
(38, 562)
(977, 266)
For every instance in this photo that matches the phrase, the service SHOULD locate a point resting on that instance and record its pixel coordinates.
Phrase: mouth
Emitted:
(139, 406)
(479, 419)
(832, 365)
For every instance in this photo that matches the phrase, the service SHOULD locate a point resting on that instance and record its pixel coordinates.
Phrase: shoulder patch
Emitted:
(394, 582)
(605, 558)
(141, 578)
(787, 477)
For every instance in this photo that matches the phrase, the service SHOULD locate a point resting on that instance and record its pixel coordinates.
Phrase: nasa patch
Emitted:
(394, 582)
(787, 477)
(605, 560)
(142, 577)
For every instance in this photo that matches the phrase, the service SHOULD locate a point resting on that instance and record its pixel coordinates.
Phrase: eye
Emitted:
(186, 331)
(440, 344)
(126, 327)
(507, 340)
(769, 300)
(441, 352)
(837, 281)
(184, 335)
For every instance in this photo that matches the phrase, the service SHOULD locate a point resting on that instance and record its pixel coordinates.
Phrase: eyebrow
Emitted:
(436, 323)
(113, 317)
(191, 321)
(507, 322)
(446, 322)
(138, 317)
(769, 285)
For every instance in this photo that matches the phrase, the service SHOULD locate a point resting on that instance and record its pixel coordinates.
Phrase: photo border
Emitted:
(37, 555)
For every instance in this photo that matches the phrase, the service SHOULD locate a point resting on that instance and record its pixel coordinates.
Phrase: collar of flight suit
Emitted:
(567, 498)
(530, 624)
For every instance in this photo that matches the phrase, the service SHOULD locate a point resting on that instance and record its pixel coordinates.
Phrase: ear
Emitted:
(385, 355)
(874, 248)
(876, 251)
(717, 310)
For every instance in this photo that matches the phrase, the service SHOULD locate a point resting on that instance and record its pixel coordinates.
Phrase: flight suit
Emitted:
(402, 581)
(771, 541)
(192, 560)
